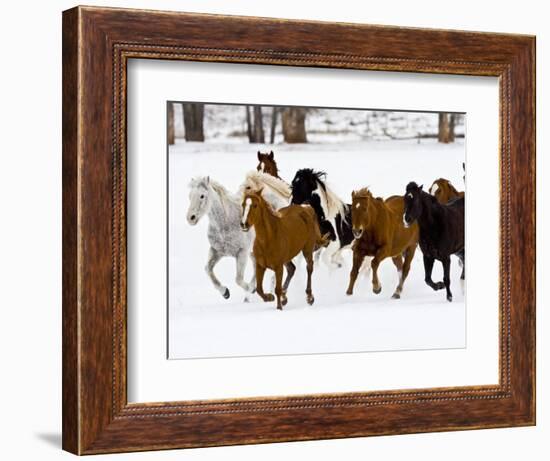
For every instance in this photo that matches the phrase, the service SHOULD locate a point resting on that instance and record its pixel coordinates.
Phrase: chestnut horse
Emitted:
(444, 191)
(280, 236)
(267, 164)
(379, 232)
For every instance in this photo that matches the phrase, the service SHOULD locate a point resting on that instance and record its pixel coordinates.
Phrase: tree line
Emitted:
(293, 123)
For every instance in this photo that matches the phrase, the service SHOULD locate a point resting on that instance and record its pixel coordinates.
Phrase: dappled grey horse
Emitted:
(224, 233)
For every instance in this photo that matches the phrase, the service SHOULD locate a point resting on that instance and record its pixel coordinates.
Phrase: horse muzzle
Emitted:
(245, 227)
(192, 219)
(357, 233)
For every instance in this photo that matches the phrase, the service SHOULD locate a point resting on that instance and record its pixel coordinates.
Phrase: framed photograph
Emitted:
(266, 224)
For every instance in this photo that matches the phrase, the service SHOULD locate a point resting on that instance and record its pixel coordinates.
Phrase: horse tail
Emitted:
(323, 240)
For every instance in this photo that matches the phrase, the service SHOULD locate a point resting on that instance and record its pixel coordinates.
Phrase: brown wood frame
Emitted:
(97, 43)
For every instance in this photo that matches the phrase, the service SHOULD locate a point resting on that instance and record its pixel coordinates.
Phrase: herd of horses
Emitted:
(272, 222)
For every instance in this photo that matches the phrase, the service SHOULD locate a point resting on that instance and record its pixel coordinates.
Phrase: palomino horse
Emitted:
(224, 235)
(273, 189)
(444, 191)
(441, 232)
(333, 215)
(280, 236)
(267, 164)
(379, 231)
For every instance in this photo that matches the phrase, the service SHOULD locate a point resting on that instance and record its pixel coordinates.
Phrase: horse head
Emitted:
(413, 203)
(252, 202)
(305, 182)
(267, 164)
(199, 199)
(362, 211)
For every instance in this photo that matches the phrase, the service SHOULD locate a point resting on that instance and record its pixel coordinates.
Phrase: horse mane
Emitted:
(268, 207)
(277, 184)
(363, 193)
(334, 203)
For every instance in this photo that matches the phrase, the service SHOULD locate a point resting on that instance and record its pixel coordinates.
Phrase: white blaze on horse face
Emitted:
(434, 188)
(247, 204)
(262, 167)
(358, 205)
(405, 223)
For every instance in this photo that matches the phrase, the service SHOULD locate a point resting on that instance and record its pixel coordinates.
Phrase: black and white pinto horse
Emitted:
(333, 215)
(441, 232)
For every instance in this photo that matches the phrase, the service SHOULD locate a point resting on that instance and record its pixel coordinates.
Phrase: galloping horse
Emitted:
(224, 235)
(267, 164)
(333, 215)
(441, 232)
(379, 231)
(444, 191)
(280, 236)
(273, 189)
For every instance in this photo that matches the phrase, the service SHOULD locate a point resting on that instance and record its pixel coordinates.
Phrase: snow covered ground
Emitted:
(203, 324)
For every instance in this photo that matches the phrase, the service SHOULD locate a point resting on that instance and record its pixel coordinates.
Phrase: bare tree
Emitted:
(193, 120)
(255, 125)
(171, 135)
(294, 124)
(274, 112)
(447, 123)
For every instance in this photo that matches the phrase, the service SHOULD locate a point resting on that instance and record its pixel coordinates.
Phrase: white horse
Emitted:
(224, 233)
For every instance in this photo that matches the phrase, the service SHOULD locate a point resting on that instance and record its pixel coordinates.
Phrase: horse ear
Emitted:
(259, 153)
(421, 186)
(207, 180)
(352, 194)
(271, 155)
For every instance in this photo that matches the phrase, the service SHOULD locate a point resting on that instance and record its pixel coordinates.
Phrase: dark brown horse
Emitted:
(443, 191)
(379, 232)
(267, 164)
(280, 236)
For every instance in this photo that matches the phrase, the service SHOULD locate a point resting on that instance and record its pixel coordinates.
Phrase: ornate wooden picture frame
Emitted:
(97, 44)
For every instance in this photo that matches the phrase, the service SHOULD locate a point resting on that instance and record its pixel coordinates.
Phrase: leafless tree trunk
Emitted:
(294, 124)
(171, 129)
(255, 125)
(259, 135)
(446, 127)
(193, 119)
(274, 112)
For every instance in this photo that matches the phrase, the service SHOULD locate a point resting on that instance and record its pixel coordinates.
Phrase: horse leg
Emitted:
(357, 261)
(428, 267)
(213, 258)
(366, 266)
(408, 256)
(241, 259)
(378, 258)
(329, 252)
(309, 261)
(281, 299)
(460, 255)
(336, 259)
(290, 270)
(398, 262)
(260, 271)
(446, 276)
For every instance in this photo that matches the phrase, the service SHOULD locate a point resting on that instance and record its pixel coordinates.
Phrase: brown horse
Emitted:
(280, 236)
(267, 164)
(443, 191)
(379, 232)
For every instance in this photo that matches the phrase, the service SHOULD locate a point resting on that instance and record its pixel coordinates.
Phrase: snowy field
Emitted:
(203, 324)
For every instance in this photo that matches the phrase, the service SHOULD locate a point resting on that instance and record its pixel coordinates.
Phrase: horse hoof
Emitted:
(396, 296)
(269, 297)
(284, 301)
(450, 298)
(439, 286)
(349, 292)
(226, 293)
(279, 308)
(310, 300)
(377, 291)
